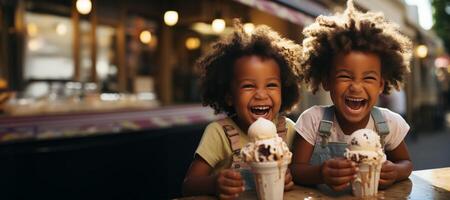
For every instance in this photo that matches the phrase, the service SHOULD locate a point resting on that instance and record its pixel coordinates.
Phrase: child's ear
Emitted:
(381, 86)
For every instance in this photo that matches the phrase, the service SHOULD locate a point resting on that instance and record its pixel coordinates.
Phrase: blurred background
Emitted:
(100, 99)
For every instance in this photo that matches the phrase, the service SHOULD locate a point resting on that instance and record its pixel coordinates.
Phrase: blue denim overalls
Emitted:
(327, 150)
(234, 139)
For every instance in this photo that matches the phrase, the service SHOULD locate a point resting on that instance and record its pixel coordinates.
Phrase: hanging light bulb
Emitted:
(192, 43)
(171, 17)
(248, 28)
(421, 51)
(84, 6)
(145, 37)
(218, 25)
(61, 29)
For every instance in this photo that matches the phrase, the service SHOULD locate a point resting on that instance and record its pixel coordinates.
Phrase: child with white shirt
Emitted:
(355, 56)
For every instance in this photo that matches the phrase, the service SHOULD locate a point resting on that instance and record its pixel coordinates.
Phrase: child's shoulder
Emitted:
(390, 115)
(221, 124)
(311, 117)
(215, 130)
(314, 112)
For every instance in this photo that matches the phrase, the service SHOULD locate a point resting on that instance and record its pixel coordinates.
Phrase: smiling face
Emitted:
(354, 83)
(255, 90)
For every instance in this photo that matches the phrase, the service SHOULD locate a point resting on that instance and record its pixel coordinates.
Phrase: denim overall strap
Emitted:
(233, 137)
(325, 125)
(237, 163)
(324, 150)
(380, 124)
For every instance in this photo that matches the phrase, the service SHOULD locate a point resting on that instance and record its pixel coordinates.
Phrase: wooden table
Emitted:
(421, 185)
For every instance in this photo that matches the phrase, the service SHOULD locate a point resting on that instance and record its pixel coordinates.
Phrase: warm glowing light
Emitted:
(218, 25)
(421, 51)
(171, 17)
(35, 44)
(84, 6)
(32, 29)
(441, 62)
(192, 43)
(145, 37)
(249, 27)
(3, 83)
(61, 29)
(206, 29)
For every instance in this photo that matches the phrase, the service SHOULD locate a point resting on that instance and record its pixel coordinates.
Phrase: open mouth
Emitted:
(355, 103)
(260, 110)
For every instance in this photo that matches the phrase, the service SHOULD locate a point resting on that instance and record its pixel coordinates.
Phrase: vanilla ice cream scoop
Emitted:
(364, 140)
(262, 129)
(364, 146)
(265, 143)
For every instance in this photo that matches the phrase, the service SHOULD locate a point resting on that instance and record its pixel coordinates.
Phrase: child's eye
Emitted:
(370, 78)
(344, 76)
(273, 85)
(247, 86)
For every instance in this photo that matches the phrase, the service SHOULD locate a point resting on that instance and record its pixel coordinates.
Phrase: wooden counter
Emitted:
(421, 185)
(437, 177)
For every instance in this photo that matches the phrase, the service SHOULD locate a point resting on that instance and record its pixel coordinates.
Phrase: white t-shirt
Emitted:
(307, 126)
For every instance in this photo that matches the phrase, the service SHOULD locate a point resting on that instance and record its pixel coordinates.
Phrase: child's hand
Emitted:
(288, 184)
(229, 184)
(338, 172)
(388, 174)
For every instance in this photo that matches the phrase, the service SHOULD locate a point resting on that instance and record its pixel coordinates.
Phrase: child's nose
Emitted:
(355, 86)
(261, 93)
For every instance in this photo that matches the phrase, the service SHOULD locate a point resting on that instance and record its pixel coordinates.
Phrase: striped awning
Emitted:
(281, 11)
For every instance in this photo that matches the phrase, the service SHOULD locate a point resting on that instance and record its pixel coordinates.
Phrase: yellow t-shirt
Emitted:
(215, 149)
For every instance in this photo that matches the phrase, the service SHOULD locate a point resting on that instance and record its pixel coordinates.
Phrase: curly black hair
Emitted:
(217, 65)
(330, 36)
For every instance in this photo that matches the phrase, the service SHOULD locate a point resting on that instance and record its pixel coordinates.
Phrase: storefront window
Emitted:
(85, 51)
(106, 58)
(48, 50)
(141, 46)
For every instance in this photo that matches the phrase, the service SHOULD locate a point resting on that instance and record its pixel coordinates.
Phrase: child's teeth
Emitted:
(261, 107)
(353, 99)
(260, 110)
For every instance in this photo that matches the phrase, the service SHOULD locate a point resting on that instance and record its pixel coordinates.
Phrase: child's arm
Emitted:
(397, 167)
(199, 181)
(302, 171)
(288, 182)
(336, 173)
